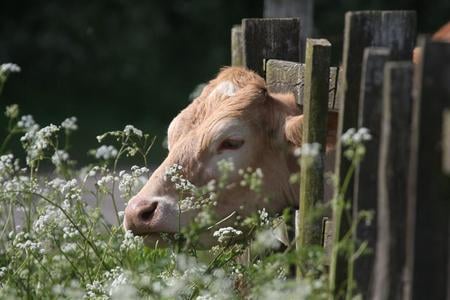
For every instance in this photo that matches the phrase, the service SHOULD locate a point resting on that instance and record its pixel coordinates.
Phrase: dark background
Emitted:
(117, 62)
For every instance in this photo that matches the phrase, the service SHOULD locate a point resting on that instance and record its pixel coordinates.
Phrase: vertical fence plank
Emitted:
(265, 39)
(392, 179)
(428, 187)
(317, 75)
(365, 192)
(236, 46)
(392, 29)
(303, 9)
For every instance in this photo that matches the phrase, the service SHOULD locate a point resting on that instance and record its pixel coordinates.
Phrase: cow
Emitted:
(234, 118)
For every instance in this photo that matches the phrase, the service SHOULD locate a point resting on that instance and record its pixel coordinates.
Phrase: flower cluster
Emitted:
(9, 68)
(354, 141)
(351, 136)
(70, 124)
(131, 242)
(226, 233)
(131, 130)
(310, 150)
(106, 152)
(252, 179)
(130, 183)
(8, 166)
(174, 175)
(35, 141)
(23, 242)
(12, 111)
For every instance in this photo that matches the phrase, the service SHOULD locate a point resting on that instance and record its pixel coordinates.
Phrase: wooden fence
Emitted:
(404, 177)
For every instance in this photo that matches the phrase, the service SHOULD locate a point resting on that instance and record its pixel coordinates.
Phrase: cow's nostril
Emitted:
(146, 213)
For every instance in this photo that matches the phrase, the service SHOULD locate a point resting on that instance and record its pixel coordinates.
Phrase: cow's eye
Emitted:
(231, 144)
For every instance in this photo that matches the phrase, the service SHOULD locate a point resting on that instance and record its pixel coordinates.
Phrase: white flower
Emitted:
(130, 129)
(263, 217)
(70, 124)
(9, 68)
(362, 135)
(59, 157)
(8, 166)
(357, 137)
(130, 182)
(69, 232)
(36, 141)
(23, 242)
(310, 150)
(224, 234)
(265, 239)
(106, 152)
(137, 172)
(95, 291)
(3, 271)
(69, 247)
(26, 122)
(105, 181)
(12, 111)
(131, 241)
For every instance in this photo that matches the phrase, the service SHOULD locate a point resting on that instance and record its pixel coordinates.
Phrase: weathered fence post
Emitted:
(392, 29)
(428, 186)
(236, 46)
(392, 179)
(315, 111)
(303, 9)
(265, 39)
(366, 175)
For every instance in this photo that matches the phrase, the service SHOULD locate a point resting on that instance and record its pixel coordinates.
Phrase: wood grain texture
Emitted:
(236, 46)
(302, 9)
(392, 181)
(288, 77)
(317, 74)
(265, 39)
(366, 175)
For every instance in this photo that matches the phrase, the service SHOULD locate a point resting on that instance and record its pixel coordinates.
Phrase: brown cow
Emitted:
(234, 118)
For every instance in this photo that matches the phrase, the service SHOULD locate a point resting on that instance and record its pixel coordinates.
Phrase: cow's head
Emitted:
(236, 119)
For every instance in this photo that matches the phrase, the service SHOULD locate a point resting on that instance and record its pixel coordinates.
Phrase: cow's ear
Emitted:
(293, 130)
(294, 126)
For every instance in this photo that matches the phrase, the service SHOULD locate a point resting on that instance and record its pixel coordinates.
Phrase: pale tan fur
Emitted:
(235, 103)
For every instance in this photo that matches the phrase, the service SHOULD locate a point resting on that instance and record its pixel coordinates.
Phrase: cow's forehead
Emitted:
(233, 94)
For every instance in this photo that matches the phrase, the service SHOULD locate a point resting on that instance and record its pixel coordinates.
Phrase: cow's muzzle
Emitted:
(141, 215)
